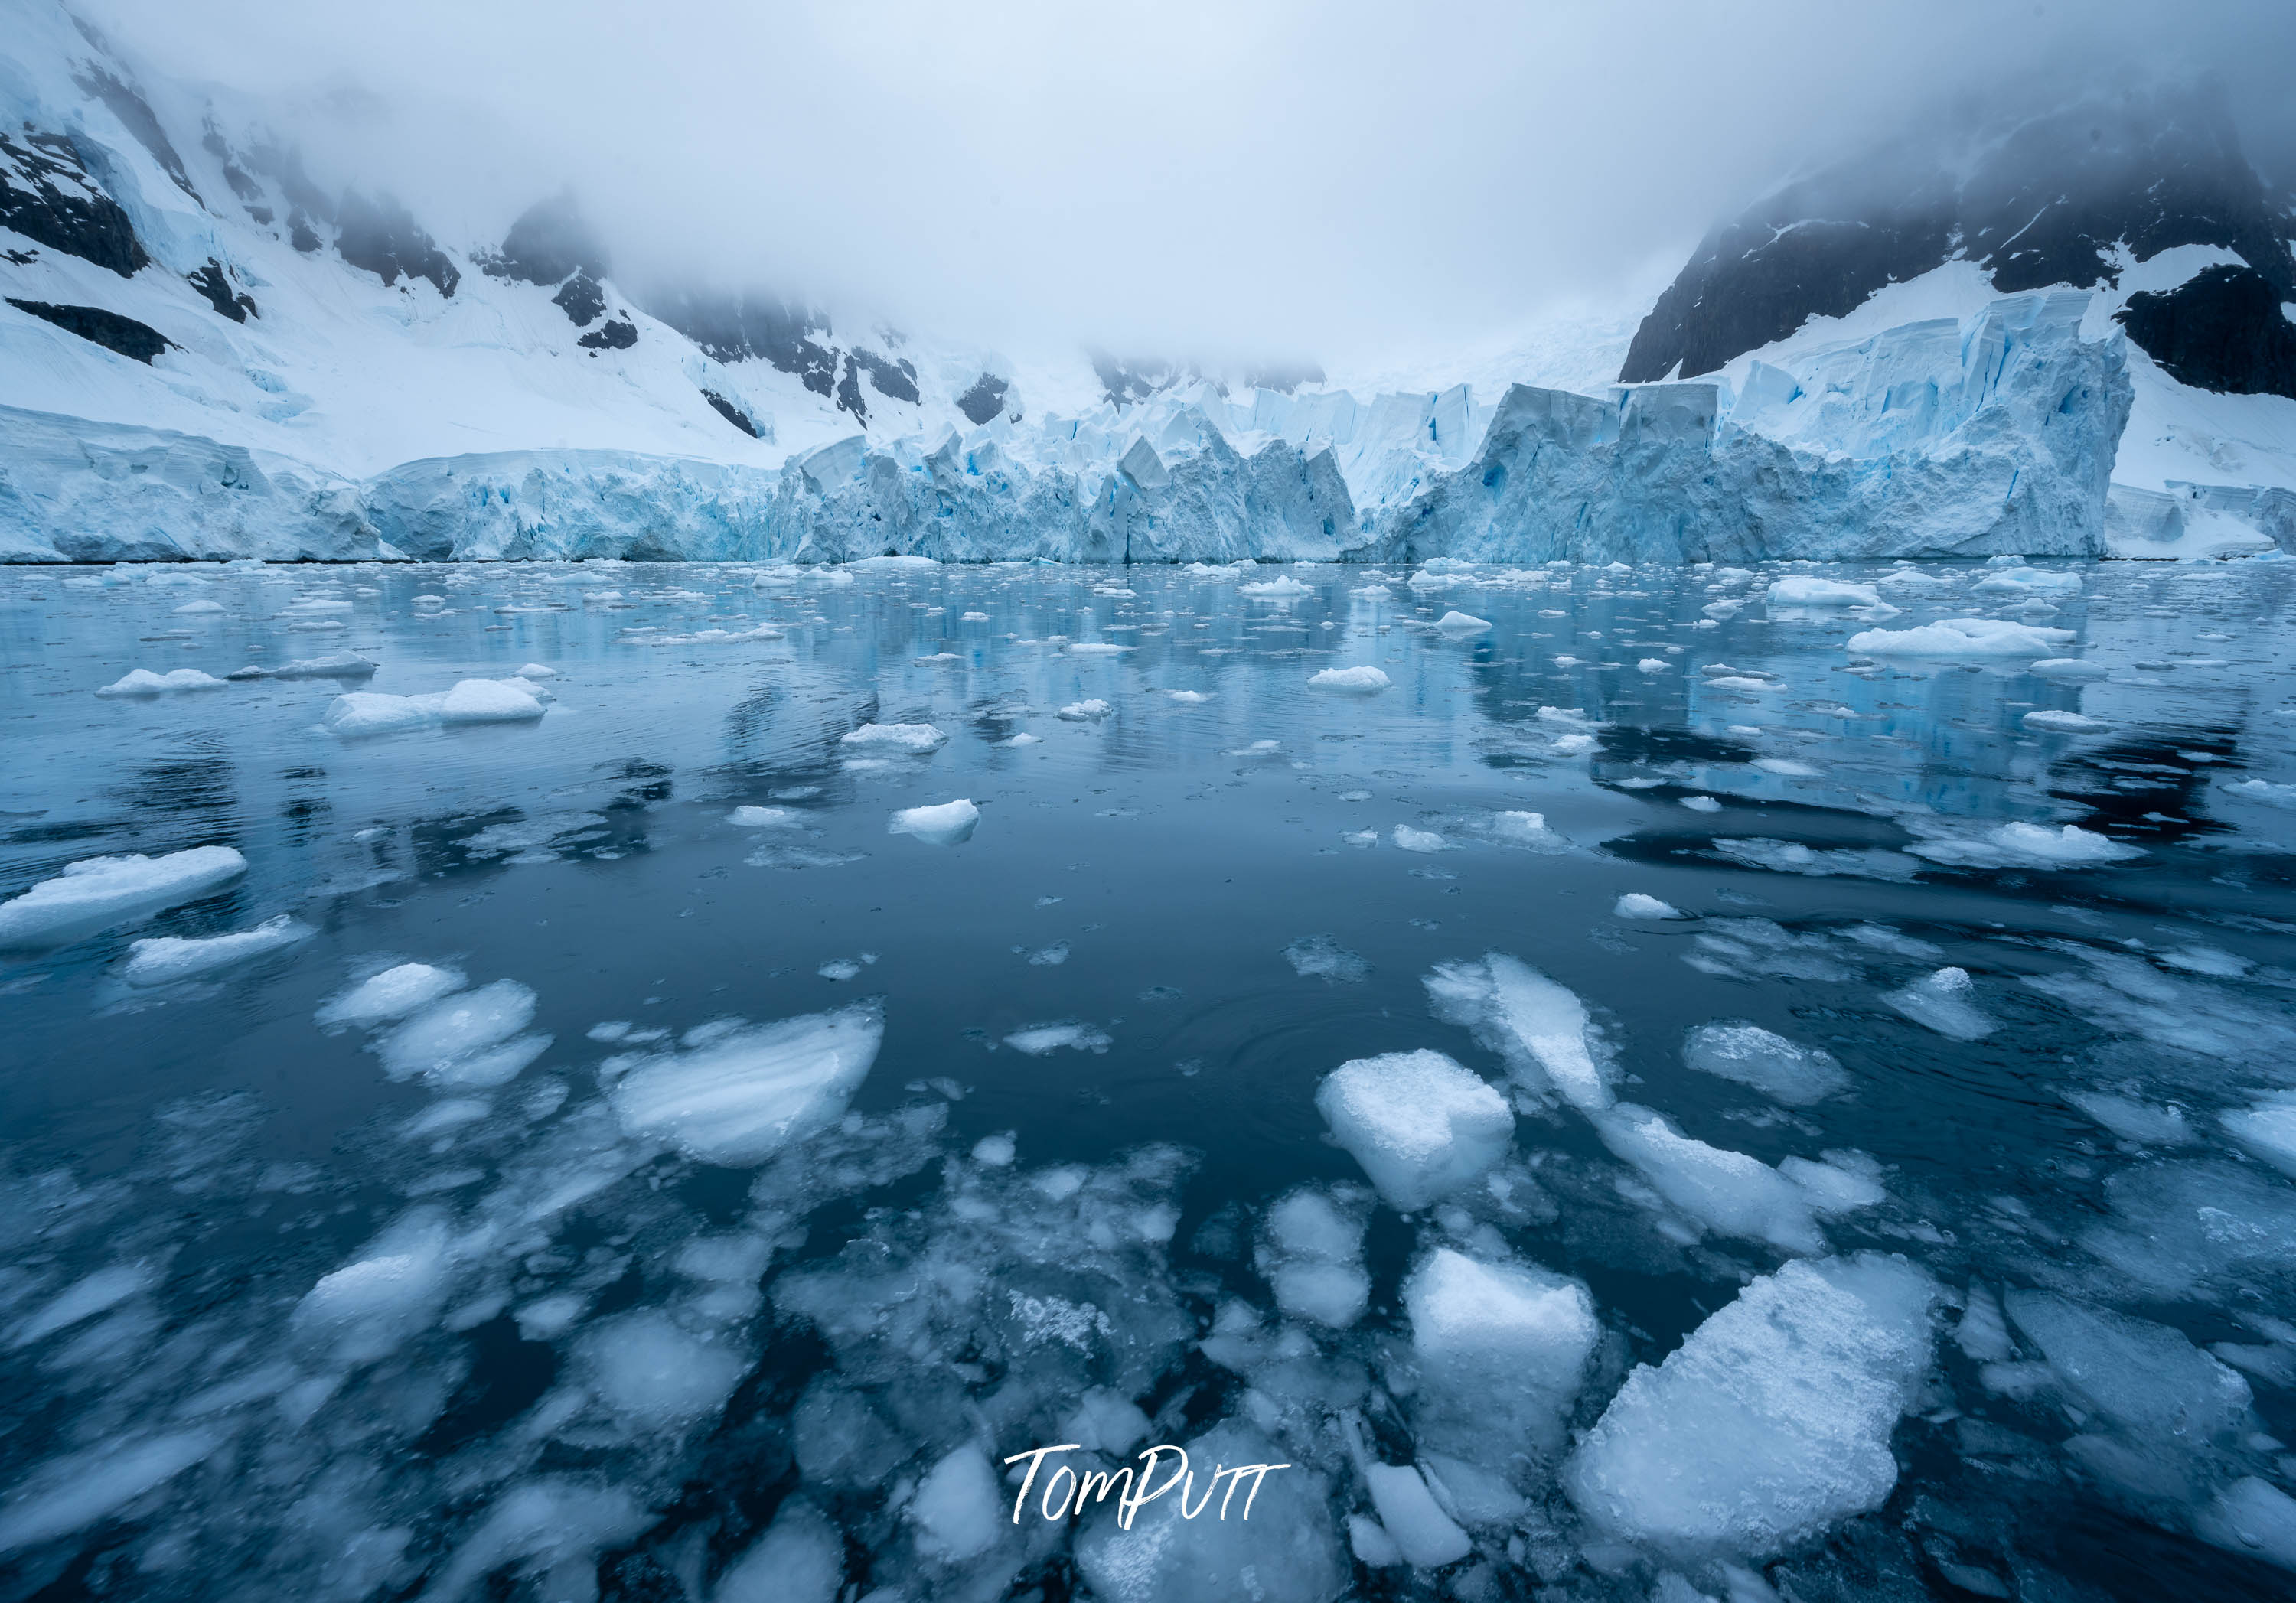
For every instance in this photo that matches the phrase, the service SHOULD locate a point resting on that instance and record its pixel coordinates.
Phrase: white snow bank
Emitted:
(168, 959)
(1421, 1126)
(1772, 1421)
(97, 892)
(744, 1093)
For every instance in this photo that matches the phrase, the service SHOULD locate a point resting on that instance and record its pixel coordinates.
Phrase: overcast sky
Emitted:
(1252, 176)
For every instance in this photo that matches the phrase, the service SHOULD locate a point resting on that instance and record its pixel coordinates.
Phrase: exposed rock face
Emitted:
(380, 236)
(734, 327)
(47, 194)
(135, 114)
(214, 283)
(550, 243)
(616, 335)
(731, 412)
(582, 298)
(984, 400)
(110, 330)
(2050, 202)
(2221, 329)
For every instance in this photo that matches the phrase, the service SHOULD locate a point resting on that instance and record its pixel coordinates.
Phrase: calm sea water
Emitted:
(1207, 866)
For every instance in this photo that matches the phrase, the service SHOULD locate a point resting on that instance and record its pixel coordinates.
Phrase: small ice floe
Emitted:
(143, 681)
(2026, 845)
(1526, 831)
(1943, 1002)
(1715, 1188)
(1363, 680)
(1654, 665)
(1962, 638)
(918, 738)
(2068, 667)
(96, 892)
(1085, 712)
(537, 670)
(469, 1039)
(358, 713)
(1771, 1421)
(2054, 722)
(1312, 1256)
(1094, 648)
(164, 960)
(1461, 624)
(2028, 581)
(1188, 698)
(2262, 790)
(1038, 1039)
(738, 1092)
(1281, 587)
(1802, 590)
(1783, 1070)
(766, 818)
(1421, 1125)
(338, 665)
(1702, 803)
(1419, 840)
(2139, 1123)
(949, 823)
(1502, 1349)
(2268, 1131)
(1024, 739)
(198, 608)
(1320, 957)
(1911, 578)
(1635, 904)
(391, 993)
(1792, 857)
(1786, 768)
(1540, 1027)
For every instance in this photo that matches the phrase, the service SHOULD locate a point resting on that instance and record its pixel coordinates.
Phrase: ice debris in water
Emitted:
(1721, 1191)
(949, 823)
(1313, 1258)
(465, 1039)
(2057, 722)
(69, 1493)
(2147, 1380)
(1320, 957)
(1462, 623)
(765, 818)
(471, 701)
(2268, 1130)
(1421, 1126)
(1085, 712)
(335, 665)
(96, 892)
(1038, 1039)
(1363, 680)
(1771, 1421)
(1942, 1003)
(143, 681)
(167, 959)
(2134, 1121)
(1802, 590)
(799, 1559)
(1780, 1069)
(1963, 637)
(2026, 845)
(1424, 1535)
(1635, 904)
(1502, 1350)
(2068, 667)
(1527, 830)
(392, 994)
(1419, 840)
(1702, 803)
(1540, 1027)
(740, 1093)
(918, 738)
(2252, 1517)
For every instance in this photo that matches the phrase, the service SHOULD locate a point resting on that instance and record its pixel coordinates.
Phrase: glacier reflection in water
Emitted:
(1813, 1119)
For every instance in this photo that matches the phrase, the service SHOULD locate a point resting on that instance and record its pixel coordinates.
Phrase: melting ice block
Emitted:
(97, 892)
(947, 824)
(1963, 637)
(1502, 1350)
(1420, 1531)
(356, 713)
(1726, 1191)
(1421, 1126)
(741, 1095)
(897, 737)
(1540, 1027)
(1942, 1002)
(465, 1039)
(1802, 590)
(1771, 1421)
(143, 681)
(393, 993)
(1783, 1070)
(168, 959)
(799, 1559)
(1362, 680)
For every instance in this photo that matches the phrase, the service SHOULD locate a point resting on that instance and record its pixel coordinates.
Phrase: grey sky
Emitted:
(1250, 175)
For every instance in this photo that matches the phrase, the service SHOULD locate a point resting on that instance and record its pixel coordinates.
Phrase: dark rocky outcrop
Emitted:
(243, 183)
(848, 392)
(382, 237)
(549, 243)
(2046, 202)
(48, 194)
(896, 381)
(2222, 330)
(731, 412)
(734, 328)
(984, 400)
(135, 114)
(616, 335)
(110, 330)
(1132, 378)
(212, 282)
(582, 298)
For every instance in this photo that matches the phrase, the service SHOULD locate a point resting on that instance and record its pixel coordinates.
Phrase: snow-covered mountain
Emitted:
(206, 351)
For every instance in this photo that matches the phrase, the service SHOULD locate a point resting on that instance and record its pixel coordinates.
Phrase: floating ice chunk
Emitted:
(69, 1493)
(536, 670)
(643, 1367)
(1526, 830)
(2027, 845)
(1421, 1126)
(393, 993)
(2145, 1377)
(1772, 1421)
(1105, 1421)
(1024, 739)
(1421, 1532)
(1502, 1349)
(143, 681)
(743, 1095)
(1702, 803)
(897, 737)
(996, 1151)
(2175, 1225)
(1654, 665)
(1085, 712)
(432, 1041)
(1726, 1191)
(1094, 648)
(1780, 1069)
(765, 818)
(1845, 1182)
(192, 609)
(1331, 1294)
(337, 664)
(799, 1559)
(958, 1508)
(167, 959)
(1634, 904)
(1188, 698)
(2068, 667)
(1363, 680)
(98, 892)
(839, 968)
(358, 713)
(2057, 722)
(1419, 840)
(1539, 1027)
(2268, 1130)
(83, 1299)
(1461, 623)
(1039, 1039)
(1320, 957)
(1911, 578)
(2255, 1517)
(1313, 1259)
(1371, 1544)
(1942, 1001)
(1801, 591)
(2026, 581)
(949, 823)
(388, 1292)
(2131, 1120)
(556, 1528)
(1962, 637)
(1282, 585)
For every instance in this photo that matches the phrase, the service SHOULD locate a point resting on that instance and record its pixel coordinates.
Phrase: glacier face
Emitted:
(1993, 434)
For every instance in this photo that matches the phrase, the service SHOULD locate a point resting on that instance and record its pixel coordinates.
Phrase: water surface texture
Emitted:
(1789, 1039)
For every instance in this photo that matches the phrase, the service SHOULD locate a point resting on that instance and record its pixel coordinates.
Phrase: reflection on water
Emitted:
(335, 1310)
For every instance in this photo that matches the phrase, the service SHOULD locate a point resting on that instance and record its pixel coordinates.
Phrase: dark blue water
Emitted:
(558, 1394)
